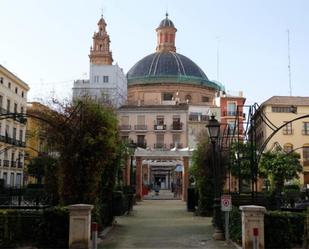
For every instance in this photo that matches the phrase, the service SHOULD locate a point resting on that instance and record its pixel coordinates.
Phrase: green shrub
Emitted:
(53, 230)
(18, 227)
(283, 229)
(235, 225)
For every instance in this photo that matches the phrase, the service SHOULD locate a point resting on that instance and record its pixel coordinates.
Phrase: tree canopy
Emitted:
(279, 166)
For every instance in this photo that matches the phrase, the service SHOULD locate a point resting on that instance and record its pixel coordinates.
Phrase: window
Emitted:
(286, 109)
(287, 129)
(306, 155)
(105, 79)
(16, 90)
(7, 130)
(167, 96)
(9, 85)
(1, 102)
(12, 179)
(205, 99)
(21, 109)
(176, 141)
(18, 180)
(14, 133)
(5, 178)
(96, 78)
(141, 141)
(231, 127)
(1, 80)
(306, 128)
(160, 141)
(22, 93)
(160, 120)
(288, 148)
(231, 109)
(15, 108)
(8, 106)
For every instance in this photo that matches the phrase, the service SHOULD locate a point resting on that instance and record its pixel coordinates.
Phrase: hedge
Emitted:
(281, 229)
(284, 229)
(43, 229)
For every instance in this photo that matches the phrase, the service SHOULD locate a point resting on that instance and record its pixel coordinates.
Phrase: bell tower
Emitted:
(166, 33)
(100, 53)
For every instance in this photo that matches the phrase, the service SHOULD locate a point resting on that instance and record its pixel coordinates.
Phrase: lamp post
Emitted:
(213, 128)
(133, 146)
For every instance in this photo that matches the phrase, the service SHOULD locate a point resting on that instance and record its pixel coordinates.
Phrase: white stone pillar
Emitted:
(80, 225)
(252, 218)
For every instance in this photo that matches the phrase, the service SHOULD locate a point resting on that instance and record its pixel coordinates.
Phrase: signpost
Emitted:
(226, 207)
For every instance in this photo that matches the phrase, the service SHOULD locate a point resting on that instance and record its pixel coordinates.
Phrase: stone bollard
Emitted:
(80, 224)
(252, 218)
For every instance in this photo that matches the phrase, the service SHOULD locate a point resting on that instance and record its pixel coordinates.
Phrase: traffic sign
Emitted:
(226, 203)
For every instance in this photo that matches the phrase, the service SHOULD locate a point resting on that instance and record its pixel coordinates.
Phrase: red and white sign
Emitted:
(226, 203)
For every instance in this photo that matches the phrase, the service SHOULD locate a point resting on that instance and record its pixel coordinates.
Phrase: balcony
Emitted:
(177, 126)
(233, 113)
(306, 162)
(141, 145)
(198, 118)
(6, 163)
(13, 164)
(161, 127)
(140, 127)
(13, 141)
(177, 145)
(125, 127)
(160, 146)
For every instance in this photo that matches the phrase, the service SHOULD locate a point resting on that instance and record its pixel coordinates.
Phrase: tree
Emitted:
(85, 137)
(241, 167)
(202, 171)
(279, 166)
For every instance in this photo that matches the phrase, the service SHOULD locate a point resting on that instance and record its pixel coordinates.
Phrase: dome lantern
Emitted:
(166, 33)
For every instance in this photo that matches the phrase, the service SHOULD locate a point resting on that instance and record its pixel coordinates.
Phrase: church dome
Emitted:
(171, 67)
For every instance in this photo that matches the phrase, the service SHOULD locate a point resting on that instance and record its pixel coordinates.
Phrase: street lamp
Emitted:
(213, 128)
(133, 146)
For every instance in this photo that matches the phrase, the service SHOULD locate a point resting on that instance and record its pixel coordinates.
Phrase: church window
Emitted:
(22, 93)
(100, 47)
(9, 85)
(171, 37)
(105, 79)
(205, 99)
(165, 37)
(161, 37)
(1, 80)
(16, 90)
(167, 96)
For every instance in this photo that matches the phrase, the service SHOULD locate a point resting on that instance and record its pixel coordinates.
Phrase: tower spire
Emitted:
(100, 52)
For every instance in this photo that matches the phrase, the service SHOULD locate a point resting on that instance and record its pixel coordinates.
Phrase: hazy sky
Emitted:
(46, 43)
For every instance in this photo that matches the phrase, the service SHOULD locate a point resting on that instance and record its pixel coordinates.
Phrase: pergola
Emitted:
(155, 156)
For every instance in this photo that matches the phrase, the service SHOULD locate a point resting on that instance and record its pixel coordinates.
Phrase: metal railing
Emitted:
(161, 127)
(125, 127)
(140, 127)
(176, 126)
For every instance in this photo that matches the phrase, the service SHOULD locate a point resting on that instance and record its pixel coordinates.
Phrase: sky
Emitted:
(241, 43)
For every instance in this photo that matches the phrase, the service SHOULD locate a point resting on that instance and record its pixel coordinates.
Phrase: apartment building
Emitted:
(13, 99)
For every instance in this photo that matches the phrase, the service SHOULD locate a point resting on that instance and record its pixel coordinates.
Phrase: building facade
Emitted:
(107, 82)
(170, 99)
(294, 136)
(13, 99)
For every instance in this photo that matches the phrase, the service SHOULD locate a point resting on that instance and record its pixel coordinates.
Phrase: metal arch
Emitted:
(263, 146)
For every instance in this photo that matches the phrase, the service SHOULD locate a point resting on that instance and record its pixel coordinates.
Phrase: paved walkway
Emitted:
(164, 194)
(162, 224)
